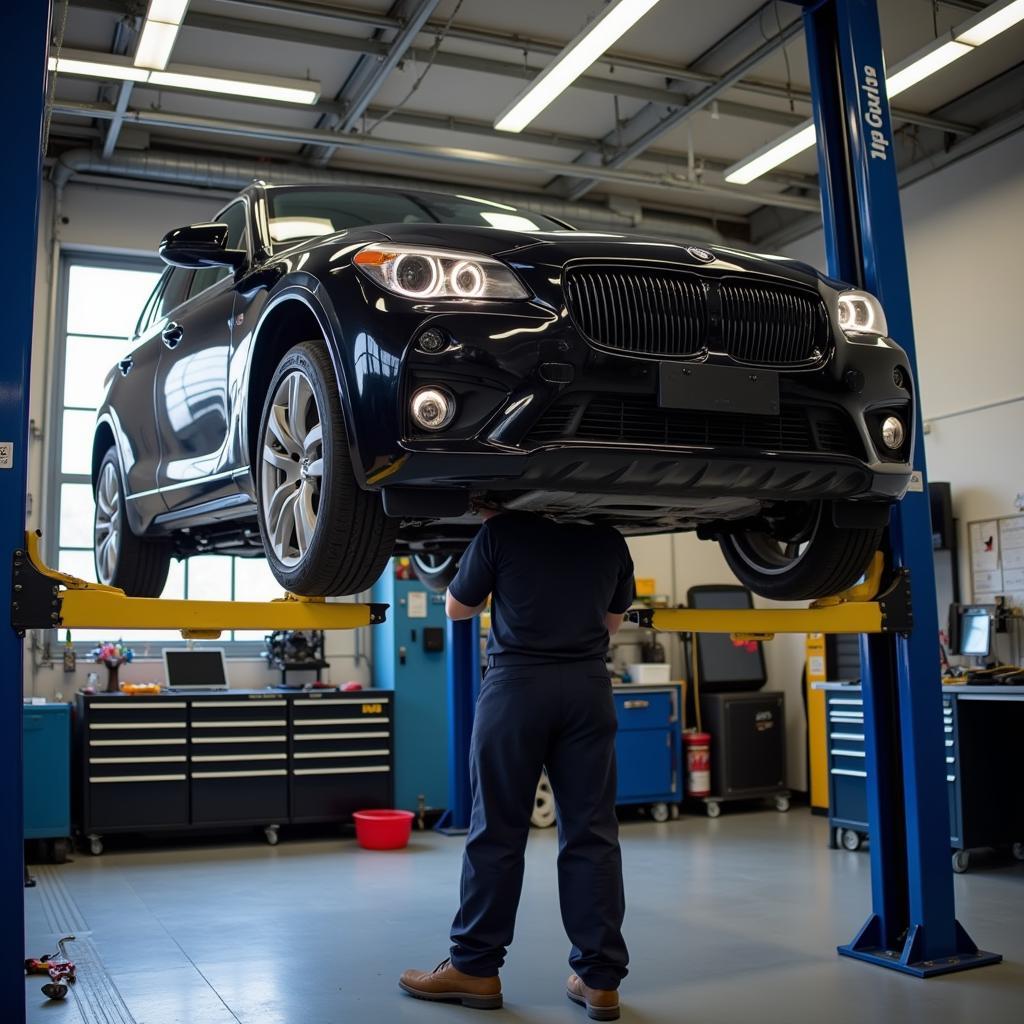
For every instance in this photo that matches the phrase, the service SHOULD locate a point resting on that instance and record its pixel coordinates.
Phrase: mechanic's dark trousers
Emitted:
(529, 717)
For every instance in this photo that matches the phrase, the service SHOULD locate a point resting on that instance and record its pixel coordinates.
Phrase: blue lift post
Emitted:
(462, 647)
(22, 76)
(913, 926)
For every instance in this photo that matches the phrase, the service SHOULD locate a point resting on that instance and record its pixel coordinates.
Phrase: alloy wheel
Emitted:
(107, 524)
(292, 468)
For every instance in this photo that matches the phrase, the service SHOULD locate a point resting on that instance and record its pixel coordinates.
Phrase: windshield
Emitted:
(297, 213)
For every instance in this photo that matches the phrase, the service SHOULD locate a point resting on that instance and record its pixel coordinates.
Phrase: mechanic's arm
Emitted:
(456, 610)
(625, 593)
(613, 620)
(468, 593)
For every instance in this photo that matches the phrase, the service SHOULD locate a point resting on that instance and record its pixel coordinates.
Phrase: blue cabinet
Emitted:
(409, 658)
(648, 744)
(47, 788)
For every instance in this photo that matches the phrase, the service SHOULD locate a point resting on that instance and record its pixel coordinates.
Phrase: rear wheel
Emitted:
(435, 569)
(322, 533)
(803, 558)
(138, 565)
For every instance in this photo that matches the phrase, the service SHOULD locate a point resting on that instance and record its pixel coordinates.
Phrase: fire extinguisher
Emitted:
(698, 763)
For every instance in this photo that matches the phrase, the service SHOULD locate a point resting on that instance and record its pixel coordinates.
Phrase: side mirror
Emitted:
(200, 245)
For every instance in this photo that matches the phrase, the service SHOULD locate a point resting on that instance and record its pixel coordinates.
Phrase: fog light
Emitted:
(432, 408)
(893, 432)
(431, 340)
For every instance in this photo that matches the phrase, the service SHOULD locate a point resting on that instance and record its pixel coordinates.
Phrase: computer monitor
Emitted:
(200, 668)
(975, 632)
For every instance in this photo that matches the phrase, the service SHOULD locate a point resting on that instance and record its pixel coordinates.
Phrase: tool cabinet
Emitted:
(648, 747)
(237, 758)
(47, 779)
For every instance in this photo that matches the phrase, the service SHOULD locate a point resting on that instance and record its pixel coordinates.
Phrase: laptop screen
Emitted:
(195, 670)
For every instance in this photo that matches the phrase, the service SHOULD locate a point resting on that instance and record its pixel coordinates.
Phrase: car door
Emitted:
(130, 399)
(191, 392)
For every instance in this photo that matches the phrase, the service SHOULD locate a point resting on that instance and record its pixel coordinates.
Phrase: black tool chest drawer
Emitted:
(235, 758)
(238, 759)
(341, 754)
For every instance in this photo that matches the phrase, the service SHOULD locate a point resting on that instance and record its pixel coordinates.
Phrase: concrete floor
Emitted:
(729, 921)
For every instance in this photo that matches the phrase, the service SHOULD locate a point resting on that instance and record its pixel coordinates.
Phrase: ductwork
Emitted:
(229, 173)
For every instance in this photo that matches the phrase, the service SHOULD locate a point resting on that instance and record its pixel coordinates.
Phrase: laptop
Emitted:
(195, 669)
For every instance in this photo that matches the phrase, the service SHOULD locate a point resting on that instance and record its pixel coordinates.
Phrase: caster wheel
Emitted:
(714, 809)
(782, 804)
(272, 836)
(1018, 851)
(543, 815)
(961, 861)
(835, 838)
(659, 812)
(60, 850)
(850, 839)
(95, 845)
(673, 812)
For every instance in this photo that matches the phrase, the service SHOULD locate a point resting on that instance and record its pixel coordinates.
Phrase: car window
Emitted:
(149, 309)
(297, 213)
(238, 238)
(175, 291)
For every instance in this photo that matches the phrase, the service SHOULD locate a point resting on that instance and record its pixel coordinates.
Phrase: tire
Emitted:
(137, 565)
(435, 569)
(818, 560)
(333, 537)
(851, 840)
(543, 815)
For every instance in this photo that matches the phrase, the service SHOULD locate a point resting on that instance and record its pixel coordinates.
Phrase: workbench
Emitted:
(982, 726)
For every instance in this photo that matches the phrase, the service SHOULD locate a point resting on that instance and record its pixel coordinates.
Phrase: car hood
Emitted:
(555, 248)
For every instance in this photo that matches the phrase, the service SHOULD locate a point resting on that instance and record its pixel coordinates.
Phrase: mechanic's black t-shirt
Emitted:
(552, 585)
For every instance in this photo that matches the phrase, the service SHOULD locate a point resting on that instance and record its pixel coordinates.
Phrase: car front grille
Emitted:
(675, 314)
(638, 420)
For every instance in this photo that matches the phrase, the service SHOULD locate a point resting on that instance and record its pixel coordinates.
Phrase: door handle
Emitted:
(632, 705)
(172, 334)
(125, 365)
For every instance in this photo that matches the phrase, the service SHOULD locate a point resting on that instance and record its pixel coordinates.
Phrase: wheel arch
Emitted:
(103, 440)
(293, 315)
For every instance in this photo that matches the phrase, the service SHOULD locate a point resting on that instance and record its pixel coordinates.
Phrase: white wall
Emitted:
(126, 221)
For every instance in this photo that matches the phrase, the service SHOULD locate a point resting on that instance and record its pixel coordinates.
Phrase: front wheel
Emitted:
(322, 533)
(435, 569)
(803, 557)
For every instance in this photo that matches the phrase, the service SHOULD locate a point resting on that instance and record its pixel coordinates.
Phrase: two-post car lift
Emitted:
(912, 926)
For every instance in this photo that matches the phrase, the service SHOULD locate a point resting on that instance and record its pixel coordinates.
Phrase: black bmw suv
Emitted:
(328, 376)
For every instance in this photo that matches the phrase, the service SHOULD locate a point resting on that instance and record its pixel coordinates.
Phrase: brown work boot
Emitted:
(601, 1003)
(447, 984)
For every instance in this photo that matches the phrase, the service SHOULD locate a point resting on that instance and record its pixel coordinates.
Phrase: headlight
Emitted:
(861, 313)
(436, 274)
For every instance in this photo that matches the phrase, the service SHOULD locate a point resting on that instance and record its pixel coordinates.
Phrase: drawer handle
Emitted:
(632, 705)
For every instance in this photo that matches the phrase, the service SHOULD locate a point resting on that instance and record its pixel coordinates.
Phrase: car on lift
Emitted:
(327, 376)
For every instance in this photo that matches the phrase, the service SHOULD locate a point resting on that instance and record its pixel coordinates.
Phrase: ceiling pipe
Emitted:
(232, 174)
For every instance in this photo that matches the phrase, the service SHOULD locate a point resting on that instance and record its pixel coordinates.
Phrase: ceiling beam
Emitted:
(371, 143)
(640, 133)
(369, 75)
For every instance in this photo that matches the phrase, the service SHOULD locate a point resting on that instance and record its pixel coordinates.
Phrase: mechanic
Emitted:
(557, 592)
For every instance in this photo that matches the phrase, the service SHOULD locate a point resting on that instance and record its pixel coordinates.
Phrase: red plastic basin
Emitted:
(383, 830)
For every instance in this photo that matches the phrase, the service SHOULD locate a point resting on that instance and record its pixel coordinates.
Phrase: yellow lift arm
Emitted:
(859, 610)
(45, 598)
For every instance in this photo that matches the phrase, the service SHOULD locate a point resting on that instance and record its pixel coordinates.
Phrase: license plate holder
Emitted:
(712, 388)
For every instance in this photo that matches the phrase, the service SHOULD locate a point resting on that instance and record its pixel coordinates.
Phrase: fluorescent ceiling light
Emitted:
(802, 137)
(159, 32)
(969, 34)
(155, 44)
(183, 76)
(619, 18)
(209, 80)
(921, 67)
(990, 22)
(97, 69)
